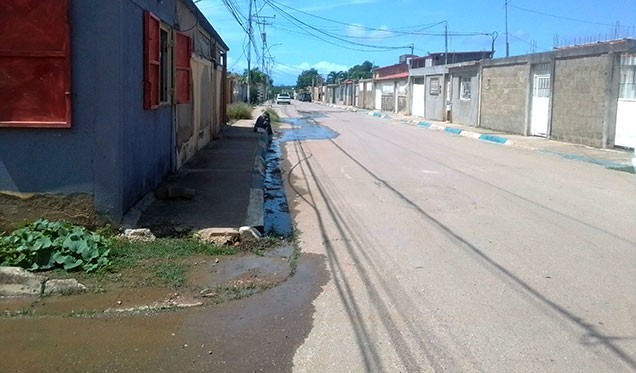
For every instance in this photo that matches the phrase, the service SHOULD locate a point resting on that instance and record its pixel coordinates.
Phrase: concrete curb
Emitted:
(458, 131)
(255, 216)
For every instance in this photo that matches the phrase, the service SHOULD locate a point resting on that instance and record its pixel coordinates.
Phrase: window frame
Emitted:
(463, 81)
(434, 89)
(158, 63)
(166, 66)
(627, 81)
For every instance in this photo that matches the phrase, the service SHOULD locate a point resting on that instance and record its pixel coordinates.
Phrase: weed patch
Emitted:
(239, 110)
(173, 274)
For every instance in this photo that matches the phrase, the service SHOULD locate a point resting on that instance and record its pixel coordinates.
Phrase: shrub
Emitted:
(44, 245)
(273, 115)
(239, 110)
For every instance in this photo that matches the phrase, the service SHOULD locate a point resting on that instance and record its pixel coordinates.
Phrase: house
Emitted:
(439, 95)
(391, 86)
(101, 100)
(582, 94)
(364, 94)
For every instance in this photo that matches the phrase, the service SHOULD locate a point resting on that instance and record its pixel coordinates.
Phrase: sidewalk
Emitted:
(609, 158)
(221, 187)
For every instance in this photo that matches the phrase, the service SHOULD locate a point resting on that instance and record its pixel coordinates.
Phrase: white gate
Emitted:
(378, 98)
(540, 114)
(626, 112)
(417, 106)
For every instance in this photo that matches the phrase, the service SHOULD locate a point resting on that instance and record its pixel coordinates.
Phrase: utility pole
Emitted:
(260, 21)
(249, 52)
(445, 42)
(507, 44)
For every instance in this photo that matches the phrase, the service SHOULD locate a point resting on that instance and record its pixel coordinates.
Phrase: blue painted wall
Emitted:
(147, 134)
(115, 149)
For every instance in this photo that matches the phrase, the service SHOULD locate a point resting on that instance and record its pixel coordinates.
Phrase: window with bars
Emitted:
(465, 92)
(434, 87)
(541, 86)
(627, 88)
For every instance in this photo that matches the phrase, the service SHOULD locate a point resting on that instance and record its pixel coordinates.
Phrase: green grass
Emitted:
(239, 110)
(172, 274)
(127, 254)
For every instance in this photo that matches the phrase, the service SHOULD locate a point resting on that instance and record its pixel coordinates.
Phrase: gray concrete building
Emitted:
(581, 94)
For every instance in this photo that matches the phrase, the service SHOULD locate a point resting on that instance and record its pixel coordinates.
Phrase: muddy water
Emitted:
(259, 333)
(277, 218)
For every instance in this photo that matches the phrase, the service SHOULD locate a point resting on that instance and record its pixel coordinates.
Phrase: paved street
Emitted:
(452, 254)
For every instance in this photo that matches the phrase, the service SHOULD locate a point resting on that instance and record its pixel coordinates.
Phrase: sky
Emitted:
(335, 35)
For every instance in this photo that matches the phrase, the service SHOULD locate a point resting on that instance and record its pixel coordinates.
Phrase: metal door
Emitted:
(540, 114)
(378, 98)
(626, 112)
(418, 97)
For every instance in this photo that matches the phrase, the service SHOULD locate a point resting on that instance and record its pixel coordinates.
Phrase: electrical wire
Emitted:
(300, 23)
(558, 17)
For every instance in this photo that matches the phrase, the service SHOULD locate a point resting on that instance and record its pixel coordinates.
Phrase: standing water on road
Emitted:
(277, 219)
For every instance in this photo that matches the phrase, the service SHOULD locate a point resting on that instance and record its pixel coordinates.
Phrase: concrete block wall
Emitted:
(579, 100)
(504, 98)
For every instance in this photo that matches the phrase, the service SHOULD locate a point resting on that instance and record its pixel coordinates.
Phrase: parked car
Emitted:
(283, 98)
(306, 97)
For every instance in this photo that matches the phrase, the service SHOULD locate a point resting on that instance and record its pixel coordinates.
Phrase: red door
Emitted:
(35, 72)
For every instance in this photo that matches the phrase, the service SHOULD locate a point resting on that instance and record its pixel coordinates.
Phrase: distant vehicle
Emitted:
(283, 98)
(306, 97)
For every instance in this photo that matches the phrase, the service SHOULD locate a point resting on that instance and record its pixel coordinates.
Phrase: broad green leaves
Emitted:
(45, 245)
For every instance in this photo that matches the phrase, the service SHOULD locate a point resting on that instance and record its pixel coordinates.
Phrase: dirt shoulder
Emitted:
(164, 283)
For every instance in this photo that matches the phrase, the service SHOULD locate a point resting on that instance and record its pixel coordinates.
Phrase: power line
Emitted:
(559, 17)
(235, 12)
(421, 27)
(300, 23)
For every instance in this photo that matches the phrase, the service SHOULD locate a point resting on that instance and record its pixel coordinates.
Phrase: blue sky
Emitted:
(335, 35)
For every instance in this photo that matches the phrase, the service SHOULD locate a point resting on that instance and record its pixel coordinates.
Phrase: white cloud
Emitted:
(381, 32)
(323, 67)
(356, 31)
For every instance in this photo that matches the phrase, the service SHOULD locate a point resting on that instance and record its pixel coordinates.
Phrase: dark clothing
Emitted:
(263, 122)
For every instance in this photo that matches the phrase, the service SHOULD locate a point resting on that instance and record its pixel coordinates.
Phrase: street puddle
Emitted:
(277, 218)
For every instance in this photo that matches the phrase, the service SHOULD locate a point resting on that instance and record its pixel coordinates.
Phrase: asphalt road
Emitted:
(451, 254)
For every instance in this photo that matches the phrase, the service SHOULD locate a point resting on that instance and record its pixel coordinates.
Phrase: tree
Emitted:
(308, 78)
(364, 71)
(257, 79)
(332, 77)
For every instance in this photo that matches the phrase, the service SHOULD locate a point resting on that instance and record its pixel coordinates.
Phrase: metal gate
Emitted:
(418, 97)
(540, 114)
(626, 112)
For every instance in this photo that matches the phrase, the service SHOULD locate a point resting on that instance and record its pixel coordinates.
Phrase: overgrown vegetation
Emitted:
(44, 245)
(273, 115)
(127, 254)
(173, 274)
(239, 110)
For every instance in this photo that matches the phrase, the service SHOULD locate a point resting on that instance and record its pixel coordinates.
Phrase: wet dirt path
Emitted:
(259, 333)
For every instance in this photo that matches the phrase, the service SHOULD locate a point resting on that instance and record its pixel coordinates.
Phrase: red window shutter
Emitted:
(183, 52)
(152, 64)
(35, 64)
